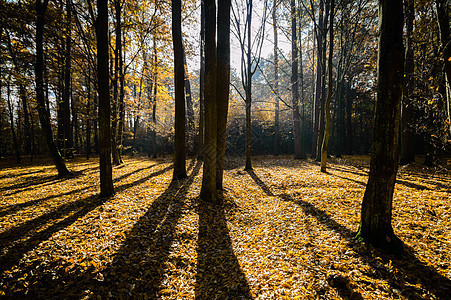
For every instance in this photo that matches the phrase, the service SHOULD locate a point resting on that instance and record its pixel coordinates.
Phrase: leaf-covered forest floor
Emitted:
(283, 231)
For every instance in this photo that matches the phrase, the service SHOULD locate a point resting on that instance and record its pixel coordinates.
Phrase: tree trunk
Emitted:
(407, 136)
(323, 85)
(376, 214)
(443, 19)
(189, 106)
(349, 134)
(26, 119)
(179, 144)
(88, 115)
(11, 122)
(222, 85)
(200, 149)
(154, 104)
(120, 130)
(276, 81)
(208, 191)
(115, 100)
(68, 133)
(295, 84)
(106, 176)
(96, 125)
(248, 87)
(44, 116)
(319, 75)
(301, 88)
(329, 93)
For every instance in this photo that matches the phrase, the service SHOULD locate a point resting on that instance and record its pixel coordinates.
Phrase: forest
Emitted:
(225, 149)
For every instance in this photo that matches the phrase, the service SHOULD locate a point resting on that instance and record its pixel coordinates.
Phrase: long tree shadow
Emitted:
(219, 275)
(134, 172)
(42, 181)
(398, 180)
(349, 179)
(30, 183)
(16, 207)
(13, 242)
(411, 269)
(138, 267)
(70, 213)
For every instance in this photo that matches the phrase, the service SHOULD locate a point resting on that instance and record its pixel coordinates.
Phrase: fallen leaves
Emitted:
(283, 231)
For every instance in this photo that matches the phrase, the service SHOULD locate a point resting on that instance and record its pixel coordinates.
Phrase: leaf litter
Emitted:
(282, 231)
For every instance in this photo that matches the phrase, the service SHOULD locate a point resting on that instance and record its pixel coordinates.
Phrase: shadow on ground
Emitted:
(219, 275)
(411, 270)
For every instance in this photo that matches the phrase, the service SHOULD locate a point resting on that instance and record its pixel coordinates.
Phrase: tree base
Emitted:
(388, 242)
(179, 177)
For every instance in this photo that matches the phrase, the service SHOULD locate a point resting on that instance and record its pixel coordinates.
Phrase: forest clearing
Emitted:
(282, 231)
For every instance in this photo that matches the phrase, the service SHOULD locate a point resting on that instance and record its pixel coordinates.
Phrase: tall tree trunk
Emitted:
(11, 122)
(60, 109)
(329, 93)
(68, 136)
(75, 131)
(179, 144)
(407, 136)
(301, 88)
(44, 115)
(443, 19)
(96, 124)
(375, 223)
(276, 80)
(200, 149)
(120, 130)
(26, 118)
(294, 83)
(248, 163)
(154, 103)
(88, 114)
(115, 100)
(208, 190)
(189, 106)
(222, 85)
(319, 75)
(323, 85)
(106, 175)
(349, 134)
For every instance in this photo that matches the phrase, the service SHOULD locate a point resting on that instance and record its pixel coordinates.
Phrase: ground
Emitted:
(283, 231)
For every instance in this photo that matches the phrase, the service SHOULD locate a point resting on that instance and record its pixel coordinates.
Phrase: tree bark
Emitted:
(349, 133)
(44, 116)
(248, 87)
(276, 81)
(120, 130)
(179, 72)
(115, 100)
(443, 20)
(329, 93)
(154, 100)
(407, 136)
(208, 190)
(222, 85)
(11, 122)
(295, 84)
(376, 214)
(189, 106)
(319, 75)
(68, 133)
(200, 149)
(88, 114)
(106, 175)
